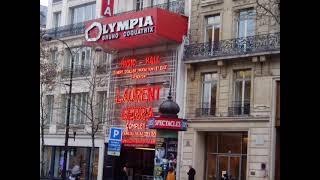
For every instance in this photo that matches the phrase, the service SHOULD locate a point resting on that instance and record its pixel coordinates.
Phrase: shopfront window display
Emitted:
(78, 160)
(165, 157)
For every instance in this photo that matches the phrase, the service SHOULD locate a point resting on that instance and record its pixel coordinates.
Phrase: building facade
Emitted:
(157, 59)
(224, 74)
(232, 82)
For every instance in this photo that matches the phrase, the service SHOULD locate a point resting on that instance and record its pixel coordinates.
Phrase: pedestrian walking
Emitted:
(191, 173)
(171, 175)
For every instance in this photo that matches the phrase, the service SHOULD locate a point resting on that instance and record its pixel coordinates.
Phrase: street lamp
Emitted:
(64, 170)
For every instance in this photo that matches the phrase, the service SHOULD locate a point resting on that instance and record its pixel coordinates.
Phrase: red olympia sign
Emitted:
(107, 8)
(145, 28)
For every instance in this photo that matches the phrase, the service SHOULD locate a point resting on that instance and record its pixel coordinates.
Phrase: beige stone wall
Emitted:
(261, 85)
(228, 10)
(258, 124)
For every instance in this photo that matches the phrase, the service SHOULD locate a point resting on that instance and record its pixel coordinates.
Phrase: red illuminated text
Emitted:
(142, 94)
(137, 113)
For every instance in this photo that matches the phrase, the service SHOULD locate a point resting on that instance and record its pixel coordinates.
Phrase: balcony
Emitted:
(239, 109)
(205, 110)
(78, 71)
(79, 28)
(68, 30)
(233, 47)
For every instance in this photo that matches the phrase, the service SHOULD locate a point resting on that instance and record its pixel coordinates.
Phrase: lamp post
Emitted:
(64, 170)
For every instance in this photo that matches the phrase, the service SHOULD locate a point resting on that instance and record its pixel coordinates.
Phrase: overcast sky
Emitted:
(44, 2)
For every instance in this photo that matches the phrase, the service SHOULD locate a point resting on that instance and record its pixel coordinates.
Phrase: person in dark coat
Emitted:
(191, 173)
(124, 172)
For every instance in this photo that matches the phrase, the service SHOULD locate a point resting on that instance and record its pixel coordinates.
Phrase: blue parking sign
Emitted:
(115, 133)
(114, 144)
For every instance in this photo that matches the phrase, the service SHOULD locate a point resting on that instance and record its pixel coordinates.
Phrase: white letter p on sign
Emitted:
(116, 133)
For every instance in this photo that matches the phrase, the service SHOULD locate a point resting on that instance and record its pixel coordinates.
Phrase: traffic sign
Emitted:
(115, 133)
(115, 138)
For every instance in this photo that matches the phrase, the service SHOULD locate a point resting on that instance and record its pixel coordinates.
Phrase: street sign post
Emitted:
(115, 138)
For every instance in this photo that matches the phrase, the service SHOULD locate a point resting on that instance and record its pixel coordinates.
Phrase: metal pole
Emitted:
(64, 170)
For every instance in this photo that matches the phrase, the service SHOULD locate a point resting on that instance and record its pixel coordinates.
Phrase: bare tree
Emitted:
(95, 118)
(269, 8)
(48, 74)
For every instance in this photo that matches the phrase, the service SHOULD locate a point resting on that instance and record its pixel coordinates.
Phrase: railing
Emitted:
(79, 28)
(205, 110)
(231, 47)
(239, 109)
(68, 30)
(78, 71)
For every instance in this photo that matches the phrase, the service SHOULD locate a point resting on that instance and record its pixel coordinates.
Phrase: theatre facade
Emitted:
(146, 49)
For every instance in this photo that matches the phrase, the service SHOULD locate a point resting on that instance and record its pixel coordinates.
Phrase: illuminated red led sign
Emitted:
(136, 116)
(140, 68)
(138, 94)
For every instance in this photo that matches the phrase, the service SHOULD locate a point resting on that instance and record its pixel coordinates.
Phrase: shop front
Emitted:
(80, 156)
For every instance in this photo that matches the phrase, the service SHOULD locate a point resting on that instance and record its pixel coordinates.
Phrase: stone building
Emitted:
(231, 92)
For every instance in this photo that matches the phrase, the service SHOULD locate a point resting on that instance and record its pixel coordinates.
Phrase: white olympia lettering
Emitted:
(104, 29)
(92, 26)
(123, 25)
(148, 21)
(133, 23)
(112, 26)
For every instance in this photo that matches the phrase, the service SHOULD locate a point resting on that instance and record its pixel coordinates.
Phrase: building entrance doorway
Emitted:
(229, 166)
(226, 155)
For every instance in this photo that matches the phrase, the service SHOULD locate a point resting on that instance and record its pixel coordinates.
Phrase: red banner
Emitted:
(107, 8)
(168, 123)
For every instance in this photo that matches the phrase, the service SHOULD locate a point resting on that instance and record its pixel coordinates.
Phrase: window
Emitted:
(278, 104)
(246, 23)
(139, 5)
(212, 28)
(56, 19)
(78, 108)
(53, 160)
(242, 92)
(156, 2)
(81, 67)
(49, 108)
(54, 56)
(209, 92)
(102, 105)
(83, 13)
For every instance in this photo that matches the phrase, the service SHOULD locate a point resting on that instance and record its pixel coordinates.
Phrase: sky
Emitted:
(44, 2)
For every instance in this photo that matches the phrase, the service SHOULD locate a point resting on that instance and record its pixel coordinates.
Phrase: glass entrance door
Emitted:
(229, 166)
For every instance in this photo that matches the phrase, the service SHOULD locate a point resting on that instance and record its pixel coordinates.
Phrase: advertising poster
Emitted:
(165, 157)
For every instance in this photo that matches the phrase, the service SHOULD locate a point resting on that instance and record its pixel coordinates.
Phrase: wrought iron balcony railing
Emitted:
(206, 110)
(78, 29)
(233, 47)
(78, 71)
(239, 109)
(68, 30)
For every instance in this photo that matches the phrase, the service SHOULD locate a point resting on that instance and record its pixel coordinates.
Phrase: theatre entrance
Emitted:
(140, 163)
